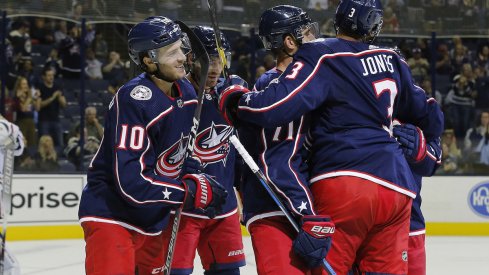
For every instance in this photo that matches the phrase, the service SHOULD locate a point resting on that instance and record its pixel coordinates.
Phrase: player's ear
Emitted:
(290, 43)
(149, 64)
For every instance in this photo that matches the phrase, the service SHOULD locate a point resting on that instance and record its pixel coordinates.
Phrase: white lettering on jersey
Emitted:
(377, 64)
(141, 93)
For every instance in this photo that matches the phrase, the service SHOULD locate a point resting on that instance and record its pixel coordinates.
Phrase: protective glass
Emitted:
(171, 53)
(214, 59)
(310, 29)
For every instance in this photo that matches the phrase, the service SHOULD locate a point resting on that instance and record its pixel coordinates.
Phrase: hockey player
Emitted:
(359, 174)
(409, 136)
(132, 180)
(218, 240)
(283, 29)
(11, 138)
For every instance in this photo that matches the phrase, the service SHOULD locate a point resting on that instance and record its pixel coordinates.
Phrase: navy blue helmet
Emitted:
(278, 21)
(361, 18)
(207, 36)
(153, 33)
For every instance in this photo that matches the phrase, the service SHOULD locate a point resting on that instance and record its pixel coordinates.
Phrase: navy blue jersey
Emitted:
(277, 151)
(355, 90)
(424, 168)
(131, 180)
(216, 153)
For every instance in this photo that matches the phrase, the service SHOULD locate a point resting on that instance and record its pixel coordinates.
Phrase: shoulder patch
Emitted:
(141, 93)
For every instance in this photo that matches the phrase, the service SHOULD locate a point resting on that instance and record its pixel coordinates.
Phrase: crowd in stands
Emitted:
(43, 89)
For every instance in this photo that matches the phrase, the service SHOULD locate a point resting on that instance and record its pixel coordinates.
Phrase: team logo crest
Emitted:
(179, 103)
(170, 161)
(141, 93)
(212, 144)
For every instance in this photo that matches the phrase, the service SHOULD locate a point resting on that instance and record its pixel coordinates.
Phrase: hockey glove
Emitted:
(191, 165)
(314, 239)
(204, 193)
(229, 92)
(412, 141)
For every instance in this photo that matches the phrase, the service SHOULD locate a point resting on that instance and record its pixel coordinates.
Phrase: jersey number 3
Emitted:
(387, 85)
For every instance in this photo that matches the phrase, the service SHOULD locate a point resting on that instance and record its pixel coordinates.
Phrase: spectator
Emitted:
(46, 157)
(391, 23)
(61, 32)
(269, 62)
(69, 51)
(114, 70)
(27, 105)
(100, 46)
(460, 57)
(93, 68)
(76, 11)
(482, 88)
(73, 149)
(26, 69)
(19, 38)
(476, 142)
(451, 153)
(444, 62)
(40, 32)
(259, 71)
(54, 62)
(92, 125)
(52, 100)
(482, 58)
(419, 65)
(428, 88)
(460, 105)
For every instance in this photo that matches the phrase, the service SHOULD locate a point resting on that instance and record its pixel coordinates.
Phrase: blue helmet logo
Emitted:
(479, 199)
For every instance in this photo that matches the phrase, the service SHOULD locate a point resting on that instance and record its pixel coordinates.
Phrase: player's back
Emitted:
(351, 129)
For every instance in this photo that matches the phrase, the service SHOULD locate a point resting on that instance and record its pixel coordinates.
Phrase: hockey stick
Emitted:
(6, 199)
(200, 54)
(266, 184)
(211, 4)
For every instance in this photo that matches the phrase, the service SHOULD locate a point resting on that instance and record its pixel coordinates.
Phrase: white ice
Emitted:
(446, 255)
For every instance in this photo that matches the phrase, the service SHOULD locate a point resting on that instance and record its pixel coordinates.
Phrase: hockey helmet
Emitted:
(281, 20)
(359, 18)
(207, 36)
(153, 33)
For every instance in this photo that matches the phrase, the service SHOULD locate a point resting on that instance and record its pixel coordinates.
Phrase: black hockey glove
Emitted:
(191, 165)
(229, 93)
(204, 193)
(412, 141)
(314, 239)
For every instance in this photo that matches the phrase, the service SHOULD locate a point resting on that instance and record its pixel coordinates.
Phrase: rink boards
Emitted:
(46, 206)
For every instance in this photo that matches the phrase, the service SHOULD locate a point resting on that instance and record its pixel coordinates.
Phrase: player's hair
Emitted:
(360, 19)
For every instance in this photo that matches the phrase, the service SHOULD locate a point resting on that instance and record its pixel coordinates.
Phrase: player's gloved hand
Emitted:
(204, 193)
(412, 141)
(229, 93)
(314, 239)
(191, 165)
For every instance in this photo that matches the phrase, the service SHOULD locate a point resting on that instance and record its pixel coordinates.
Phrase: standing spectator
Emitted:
(427, 87)
(61, 32)
(444, 63)
(391, 23)
(114, 69)
(482, 57)
(52, 100)
(40, 32)
(460, 57)
(460, 105)
(69, 51)
(100, 46)
(28, 104)
(46, 157)
(419, 65)
(476, 140)
(482, 88)
(26, 70)
(19, 38)
(93, 67)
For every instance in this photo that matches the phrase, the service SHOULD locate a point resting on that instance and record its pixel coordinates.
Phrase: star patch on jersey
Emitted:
(141, 93)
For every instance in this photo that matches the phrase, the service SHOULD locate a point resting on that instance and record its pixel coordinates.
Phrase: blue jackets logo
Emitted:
(479, 199)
